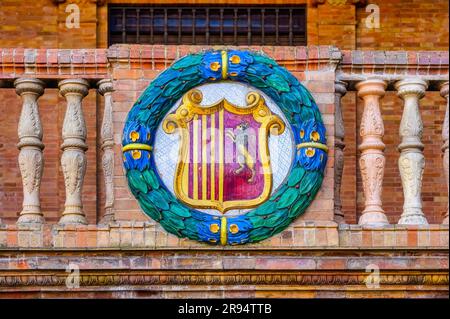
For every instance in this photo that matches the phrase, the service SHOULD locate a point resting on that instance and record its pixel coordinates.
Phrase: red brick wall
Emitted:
(28, 24)
(42, 24)
(405, 25)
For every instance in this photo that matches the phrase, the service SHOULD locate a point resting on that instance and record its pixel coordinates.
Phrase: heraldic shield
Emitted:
(223, 159)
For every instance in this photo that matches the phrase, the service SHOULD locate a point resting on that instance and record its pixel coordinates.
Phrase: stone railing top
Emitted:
(95, 64)
(297, 58)
(53, 63)
(393, 65)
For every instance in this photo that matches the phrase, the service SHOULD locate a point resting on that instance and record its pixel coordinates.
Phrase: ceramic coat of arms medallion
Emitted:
(224, 147)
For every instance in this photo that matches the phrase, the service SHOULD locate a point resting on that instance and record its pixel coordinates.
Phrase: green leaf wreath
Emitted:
(285, 205)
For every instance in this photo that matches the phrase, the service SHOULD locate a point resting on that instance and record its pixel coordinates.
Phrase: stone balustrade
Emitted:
(411, 160)
(73, 159)
(369, 82)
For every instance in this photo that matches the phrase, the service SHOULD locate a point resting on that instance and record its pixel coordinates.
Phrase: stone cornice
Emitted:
(194, 278)
(394, 66)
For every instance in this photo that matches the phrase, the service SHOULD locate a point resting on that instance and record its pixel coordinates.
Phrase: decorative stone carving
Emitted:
(148, 278)
(105, 88)
(372, 159)
(411, 162)
(31, 160)
(73, 159)
(340, 91)
(445, 131)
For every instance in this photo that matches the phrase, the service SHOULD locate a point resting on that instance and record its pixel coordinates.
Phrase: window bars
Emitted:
(207, 25)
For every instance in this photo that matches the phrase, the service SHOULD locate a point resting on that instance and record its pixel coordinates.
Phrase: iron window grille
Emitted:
(210, 25)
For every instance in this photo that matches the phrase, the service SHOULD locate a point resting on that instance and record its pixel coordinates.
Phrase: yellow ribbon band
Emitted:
(223, 231)
(313, 145)
(136, 146)
(224, 64)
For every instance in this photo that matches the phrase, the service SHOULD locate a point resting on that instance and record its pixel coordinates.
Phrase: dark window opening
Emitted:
(210, 25)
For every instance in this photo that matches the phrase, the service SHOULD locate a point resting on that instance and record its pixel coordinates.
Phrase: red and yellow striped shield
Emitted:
(223, 160)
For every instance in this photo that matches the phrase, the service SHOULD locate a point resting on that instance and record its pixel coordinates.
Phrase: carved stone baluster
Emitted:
(411, 162)
(2, 84)
(105, 88)
(445, 131)
(31, 160)
(340, 91)
(372, 159)
(73, 160)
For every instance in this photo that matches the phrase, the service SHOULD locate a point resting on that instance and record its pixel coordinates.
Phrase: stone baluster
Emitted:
(445, 131)
(105, 88)
(340, 91)
(31, 159)
(372, 161)
(411, 162)
(73, 160)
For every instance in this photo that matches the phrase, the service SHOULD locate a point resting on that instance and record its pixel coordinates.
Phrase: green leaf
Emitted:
(292, 104)
(172, 88)
(166, 195)
(150, 209)
(189, 73)
(158, 200)
(278, 82)
(179, 210)
(172, 221)
(299, 206)
(307, 113)
(256, 81)
(276, 218)
(187, 61)
(136, 181)
(151, 179)
(281, 226)
(264, 59)
(305, 97)
(265, 209)
(270, 220)
(287, 198)
(258, 234)
(296, 176)
(310, 182)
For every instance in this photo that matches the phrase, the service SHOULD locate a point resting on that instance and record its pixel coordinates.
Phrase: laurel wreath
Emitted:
(286, 204)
